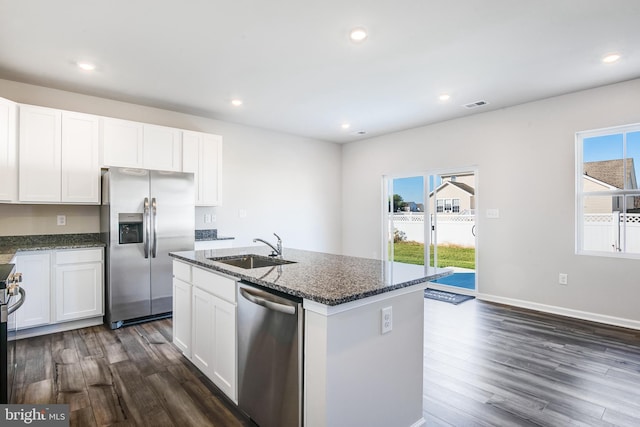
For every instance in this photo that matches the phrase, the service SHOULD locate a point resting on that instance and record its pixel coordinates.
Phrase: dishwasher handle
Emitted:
(265, 300)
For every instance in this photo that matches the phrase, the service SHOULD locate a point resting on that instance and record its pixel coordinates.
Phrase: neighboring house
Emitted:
(413, 207)
(609, 175)
(455, 195)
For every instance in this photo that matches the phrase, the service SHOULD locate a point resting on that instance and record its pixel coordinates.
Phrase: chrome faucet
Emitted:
(277, 250)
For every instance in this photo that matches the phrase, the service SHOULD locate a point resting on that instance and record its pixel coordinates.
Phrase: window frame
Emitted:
(580, 193)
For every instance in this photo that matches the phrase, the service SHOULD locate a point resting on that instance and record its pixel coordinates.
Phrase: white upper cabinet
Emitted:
(202, 155)
(54, 156)
(121, 142)
(80, 163)
(139, 145)
(40, 156)
(162, 148)
(8, 144)
(58, 161)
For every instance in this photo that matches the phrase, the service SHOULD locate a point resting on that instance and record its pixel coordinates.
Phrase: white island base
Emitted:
(357, 376)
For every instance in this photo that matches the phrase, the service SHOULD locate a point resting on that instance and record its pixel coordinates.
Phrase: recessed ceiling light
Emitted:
(236, 102)
(345, 126)
(86, 66)
(358, 34)
(612, 57)
(444, 97)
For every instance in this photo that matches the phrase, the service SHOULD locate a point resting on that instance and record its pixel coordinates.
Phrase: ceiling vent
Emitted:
(475, 104)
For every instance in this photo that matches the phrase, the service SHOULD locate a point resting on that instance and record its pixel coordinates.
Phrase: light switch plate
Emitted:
(493, 213)
(61, 220)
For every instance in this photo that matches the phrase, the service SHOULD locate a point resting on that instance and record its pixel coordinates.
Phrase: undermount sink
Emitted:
(252, 261)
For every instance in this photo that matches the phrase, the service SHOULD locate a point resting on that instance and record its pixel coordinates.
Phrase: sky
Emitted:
(610, 147)
(411, 189)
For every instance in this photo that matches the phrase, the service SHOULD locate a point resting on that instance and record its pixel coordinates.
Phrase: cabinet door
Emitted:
(78, 291)
(40, 154)
(223, 369)
(80, 163)
(202, 155)
(202, 327)
(121, 143)
(211, 170)
(8, 144)
(162, 148)
(191, 158)
(36, 281)
(182, 316)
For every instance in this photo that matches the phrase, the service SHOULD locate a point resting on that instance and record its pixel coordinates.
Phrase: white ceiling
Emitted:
(296, 70)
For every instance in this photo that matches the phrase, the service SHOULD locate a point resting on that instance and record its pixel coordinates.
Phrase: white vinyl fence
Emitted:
(612, 232)
(456, 229)
(602, 232)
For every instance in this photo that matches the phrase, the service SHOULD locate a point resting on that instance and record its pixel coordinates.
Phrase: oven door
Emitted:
(8, 332)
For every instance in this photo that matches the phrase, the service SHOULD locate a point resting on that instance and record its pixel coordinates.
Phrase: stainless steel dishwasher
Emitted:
(270, 328)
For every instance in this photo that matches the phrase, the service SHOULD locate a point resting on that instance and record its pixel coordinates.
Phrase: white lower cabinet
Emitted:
(36, 281)
(210, 317)
(61, 285)
(182, 315)
(78, 285)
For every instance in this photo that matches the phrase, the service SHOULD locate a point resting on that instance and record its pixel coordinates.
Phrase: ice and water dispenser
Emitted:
(130, 228)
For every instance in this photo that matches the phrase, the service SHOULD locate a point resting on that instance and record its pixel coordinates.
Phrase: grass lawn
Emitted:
(448, 256)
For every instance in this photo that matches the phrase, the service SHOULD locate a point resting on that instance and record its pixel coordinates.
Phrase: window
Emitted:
(607, 193)
(448, 205)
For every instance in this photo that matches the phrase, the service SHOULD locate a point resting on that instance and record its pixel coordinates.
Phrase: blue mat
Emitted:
(460, 280)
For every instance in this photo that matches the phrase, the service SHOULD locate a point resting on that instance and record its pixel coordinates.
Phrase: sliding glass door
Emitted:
(435, 211)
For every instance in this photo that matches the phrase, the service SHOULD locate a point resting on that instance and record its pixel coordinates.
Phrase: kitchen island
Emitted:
(360, 368)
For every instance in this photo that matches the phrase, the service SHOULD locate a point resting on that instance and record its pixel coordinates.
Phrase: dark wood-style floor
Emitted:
(132, 376)
(485, 364)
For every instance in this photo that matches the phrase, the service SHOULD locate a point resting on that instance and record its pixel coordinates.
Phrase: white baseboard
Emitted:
(568, 312)
(419, 423)
(59, 327)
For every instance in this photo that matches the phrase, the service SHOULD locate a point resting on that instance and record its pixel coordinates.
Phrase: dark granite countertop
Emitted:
(324, 278)
(209, 235)
(9, 245)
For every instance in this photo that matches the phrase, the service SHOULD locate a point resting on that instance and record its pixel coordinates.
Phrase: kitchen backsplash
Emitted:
(207, 234)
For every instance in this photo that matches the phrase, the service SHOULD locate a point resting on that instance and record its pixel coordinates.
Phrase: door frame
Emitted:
(427, 211)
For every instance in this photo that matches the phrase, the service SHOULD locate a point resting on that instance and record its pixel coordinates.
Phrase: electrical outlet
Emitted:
(62, 220)
(242, 213)
(386, 320)
(207, 218)
(563, 279)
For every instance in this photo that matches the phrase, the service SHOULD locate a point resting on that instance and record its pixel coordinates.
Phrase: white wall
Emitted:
(356, 376)
(287, 184)
(525, 160)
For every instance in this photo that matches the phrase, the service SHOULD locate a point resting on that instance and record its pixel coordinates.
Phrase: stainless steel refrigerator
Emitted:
(145, 215)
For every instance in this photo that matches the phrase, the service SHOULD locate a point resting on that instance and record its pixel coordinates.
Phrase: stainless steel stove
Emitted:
(12, 296)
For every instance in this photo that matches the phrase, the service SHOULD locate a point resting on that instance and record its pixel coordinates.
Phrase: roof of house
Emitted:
(611, 172)
(461, 185)
(466, 187)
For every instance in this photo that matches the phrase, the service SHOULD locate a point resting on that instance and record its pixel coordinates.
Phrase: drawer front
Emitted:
(78, 256)
(182, 271)
(217, 285)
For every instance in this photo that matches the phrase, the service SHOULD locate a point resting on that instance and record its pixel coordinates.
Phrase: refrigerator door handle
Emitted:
(146, 225)
(154, 248)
